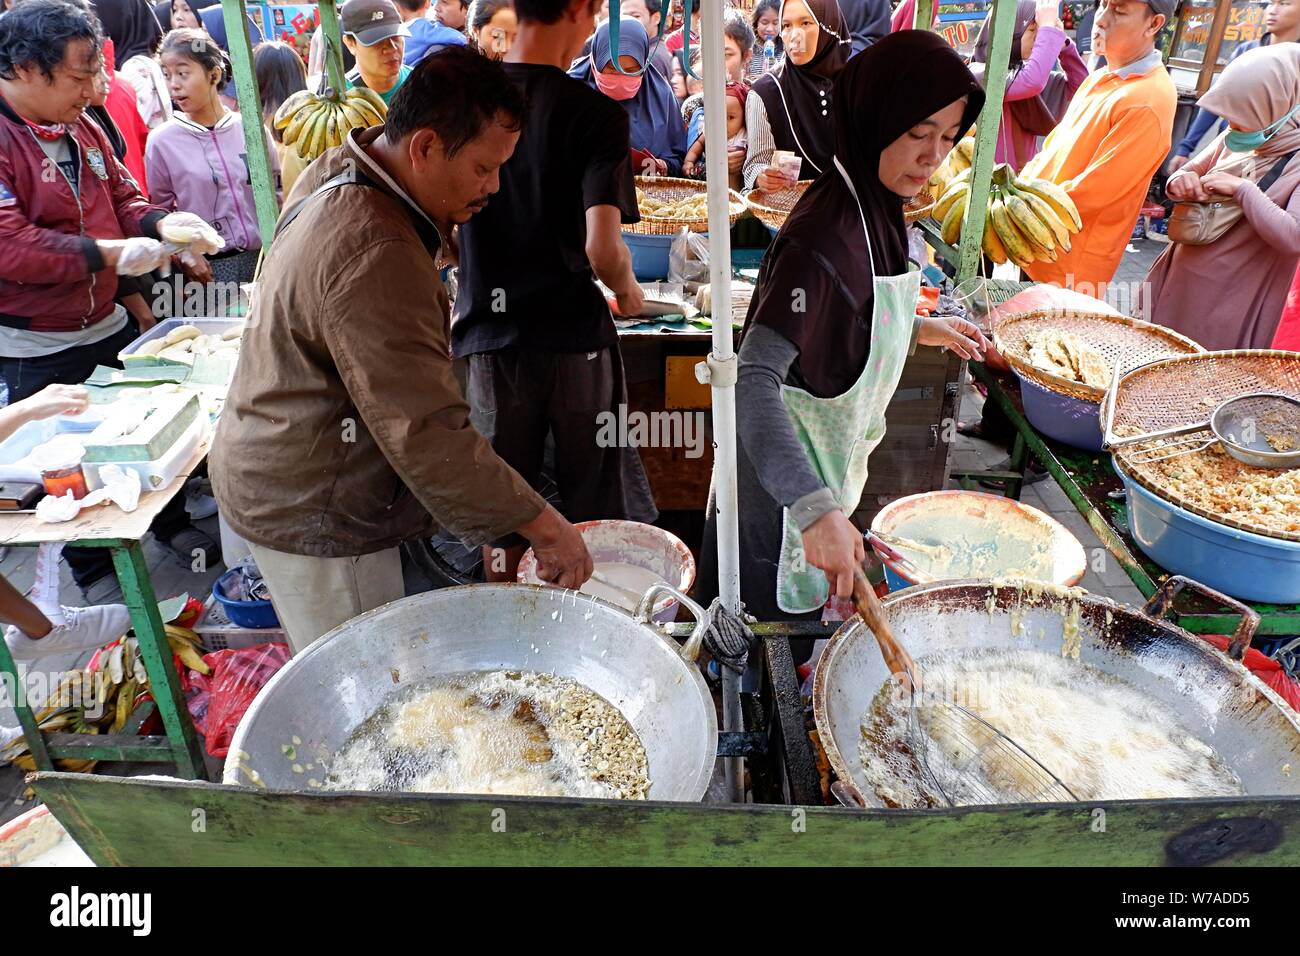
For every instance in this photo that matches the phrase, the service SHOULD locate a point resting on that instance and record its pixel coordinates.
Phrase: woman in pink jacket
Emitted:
(1036, 94)
(196, 160)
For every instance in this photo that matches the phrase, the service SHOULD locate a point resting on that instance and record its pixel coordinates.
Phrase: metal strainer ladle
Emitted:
(1261, 429)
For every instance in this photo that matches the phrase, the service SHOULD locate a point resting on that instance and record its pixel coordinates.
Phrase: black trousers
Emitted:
(27, 376)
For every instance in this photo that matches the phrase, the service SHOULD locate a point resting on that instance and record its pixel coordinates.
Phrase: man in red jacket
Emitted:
(71, 221)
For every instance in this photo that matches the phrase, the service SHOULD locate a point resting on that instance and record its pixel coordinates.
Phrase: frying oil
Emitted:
(1104, 738)
(483, 732)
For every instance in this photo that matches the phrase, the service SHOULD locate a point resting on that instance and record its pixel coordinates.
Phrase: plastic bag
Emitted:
(225, 694)
(688, 257)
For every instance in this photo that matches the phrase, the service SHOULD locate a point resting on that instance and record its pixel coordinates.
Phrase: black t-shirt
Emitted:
(524, 276)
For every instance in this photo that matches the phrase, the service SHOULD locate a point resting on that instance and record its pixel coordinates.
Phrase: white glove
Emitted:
(139, 255)
(189, 230)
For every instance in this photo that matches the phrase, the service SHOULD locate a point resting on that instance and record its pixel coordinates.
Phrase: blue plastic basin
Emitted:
(1252, 567)
(244, 613)
(1073, 421)
(649, 255)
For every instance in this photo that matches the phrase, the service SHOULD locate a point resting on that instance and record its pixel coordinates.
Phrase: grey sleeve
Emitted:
(765, 429)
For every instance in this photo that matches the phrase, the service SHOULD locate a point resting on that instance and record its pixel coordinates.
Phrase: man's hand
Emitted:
(1222, 184)
(55, 400)
(950, 332)
(562, 556)
(834, 545)
(772, 180)
(132, 257)
(630, 300)
(1177, 163)
(189, 230)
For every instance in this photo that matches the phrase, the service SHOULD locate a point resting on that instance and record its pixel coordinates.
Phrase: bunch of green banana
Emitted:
(312, 124)
(1029, 220)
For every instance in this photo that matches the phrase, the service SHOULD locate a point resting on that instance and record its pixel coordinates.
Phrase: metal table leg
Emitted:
(164, 684)
(17, 693)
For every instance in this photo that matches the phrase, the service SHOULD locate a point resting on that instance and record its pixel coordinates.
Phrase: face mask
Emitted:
(1244, 142)
(617, 86)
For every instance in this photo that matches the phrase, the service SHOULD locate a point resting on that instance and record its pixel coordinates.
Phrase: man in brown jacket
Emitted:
(345, 431)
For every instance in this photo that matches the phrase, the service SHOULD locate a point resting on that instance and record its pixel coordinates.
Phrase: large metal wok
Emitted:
(307, 711)
(1213, 696)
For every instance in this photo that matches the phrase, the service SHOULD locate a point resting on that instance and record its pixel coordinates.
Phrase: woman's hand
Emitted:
(772, 180)
(55, 400)
(661, 167)
(735, 160)
(834, 545)
(956, 334)
(1186, 187)
(1222, 184)
(1046, 14)
(1177, 163)
(195, 268)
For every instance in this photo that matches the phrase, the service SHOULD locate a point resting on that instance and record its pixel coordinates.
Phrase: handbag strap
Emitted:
(1272, 176)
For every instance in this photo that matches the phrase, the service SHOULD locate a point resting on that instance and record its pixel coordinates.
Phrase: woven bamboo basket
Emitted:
(1121, 340)
(669, 188)
(1184, 390)
(919, 206)
(773, 208)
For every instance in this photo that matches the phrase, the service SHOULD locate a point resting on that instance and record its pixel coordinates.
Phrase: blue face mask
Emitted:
(1242, 142)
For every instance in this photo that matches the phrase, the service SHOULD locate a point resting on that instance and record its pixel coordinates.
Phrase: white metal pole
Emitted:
(723, 355)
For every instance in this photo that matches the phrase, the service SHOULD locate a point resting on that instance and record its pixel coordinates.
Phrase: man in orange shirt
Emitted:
(1110, 143)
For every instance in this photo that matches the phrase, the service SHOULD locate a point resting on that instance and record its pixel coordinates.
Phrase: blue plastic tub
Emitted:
(244, 613)
(1073, 421)
(649, 255)
(1252, 567)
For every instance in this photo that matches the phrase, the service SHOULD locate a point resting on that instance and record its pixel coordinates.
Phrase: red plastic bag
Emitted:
(1265, 668)
(237, 676)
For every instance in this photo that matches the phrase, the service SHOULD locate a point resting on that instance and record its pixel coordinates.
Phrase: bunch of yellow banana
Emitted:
(1029, 220)
(312, 124)
(101, 700)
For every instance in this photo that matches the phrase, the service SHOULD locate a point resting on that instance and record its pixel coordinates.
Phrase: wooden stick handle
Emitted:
(873, 615)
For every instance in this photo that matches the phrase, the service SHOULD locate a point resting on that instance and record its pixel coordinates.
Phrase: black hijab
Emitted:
(132, 26)
(799, 99)
(820, 258)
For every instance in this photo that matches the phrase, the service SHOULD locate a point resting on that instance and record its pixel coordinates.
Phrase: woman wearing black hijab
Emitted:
(790, 108)
(131, 25)
(830, 325)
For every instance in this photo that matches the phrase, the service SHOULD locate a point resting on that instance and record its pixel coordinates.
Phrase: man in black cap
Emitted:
(375, 34)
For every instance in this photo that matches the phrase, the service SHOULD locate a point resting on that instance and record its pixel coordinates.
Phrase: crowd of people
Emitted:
(515, 129)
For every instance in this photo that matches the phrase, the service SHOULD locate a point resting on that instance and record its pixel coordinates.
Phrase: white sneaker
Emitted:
(84, 628)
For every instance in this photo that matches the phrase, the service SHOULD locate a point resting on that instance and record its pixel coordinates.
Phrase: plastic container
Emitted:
(161, 471)
(206, 326)
(1067, 419)
(649, 255)
(1241, 564)
(243, 613)
(59, 461)
(219, 633)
